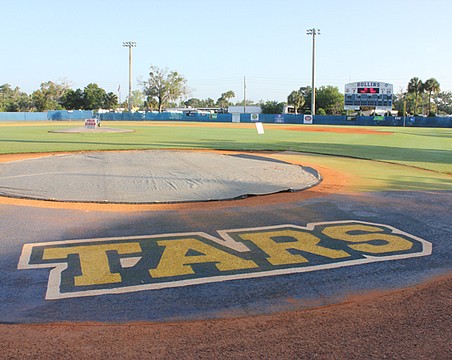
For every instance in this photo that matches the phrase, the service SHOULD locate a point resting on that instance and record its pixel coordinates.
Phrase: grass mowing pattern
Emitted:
(425, 148)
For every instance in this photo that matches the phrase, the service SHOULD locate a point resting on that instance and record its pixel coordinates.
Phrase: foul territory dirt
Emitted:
(407, 324)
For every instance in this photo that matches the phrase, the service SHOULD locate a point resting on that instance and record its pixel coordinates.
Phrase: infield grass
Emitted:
(417, 148)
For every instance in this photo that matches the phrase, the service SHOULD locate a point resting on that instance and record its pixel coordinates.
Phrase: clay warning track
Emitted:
(338, 130)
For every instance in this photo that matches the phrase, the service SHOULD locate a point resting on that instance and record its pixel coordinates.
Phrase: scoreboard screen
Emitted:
(368, 94)
(368, 90)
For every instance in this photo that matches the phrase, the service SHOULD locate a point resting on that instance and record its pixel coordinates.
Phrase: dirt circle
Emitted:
(151, 176)
(97, 130)
(333, 181)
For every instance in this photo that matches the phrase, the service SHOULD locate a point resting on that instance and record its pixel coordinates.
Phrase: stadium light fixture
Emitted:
(130, 45)
(313, 32)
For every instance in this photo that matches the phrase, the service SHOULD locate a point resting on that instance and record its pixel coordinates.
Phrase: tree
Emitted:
(49, 96)
(401, 102)
(248, 103)
(330, 100)
(307, 94)
(209, 102)
(151, 103)
(199, 103)
(110, 101)
(164, 86)
(416, 87)
(73, 100)
(39, 101)
(431, 86)
(193, 103)
(296, 99)
(223, 101)
(443, 102)
(13, 100)
(93, 97)
(137, 100)
(272, 107)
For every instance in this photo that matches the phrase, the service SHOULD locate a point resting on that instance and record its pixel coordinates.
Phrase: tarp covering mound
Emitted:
(97, 130)
(151, 176)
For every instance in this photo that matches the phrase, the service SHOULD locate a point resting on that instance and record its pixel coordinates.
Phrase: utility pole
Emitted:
(130, 45)
(244, 95)
(313, 32)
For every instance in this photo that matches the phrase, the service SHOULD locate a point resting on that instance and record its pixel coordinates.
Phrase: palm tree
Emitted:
(296, 99)
(416, 87)
(110, 101)
(223, 101)
(431, 86)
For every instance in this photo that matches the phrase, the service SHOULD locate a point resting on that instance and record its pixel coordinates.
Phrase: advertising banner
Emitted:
(254, 117)
(279, 119)
(307, 119)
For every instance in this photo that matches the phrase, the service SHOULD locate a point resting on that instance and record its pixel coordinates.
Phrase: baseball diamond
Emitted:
(332, 223)
(203, 180)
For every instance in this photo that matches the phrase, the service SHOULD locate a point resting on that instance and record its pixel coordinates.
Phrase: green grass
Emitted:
(417, 149)
(375, 176)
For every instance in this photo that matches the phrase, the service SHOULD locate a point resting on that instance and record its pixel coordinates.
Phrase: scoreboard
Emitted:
(368, 94)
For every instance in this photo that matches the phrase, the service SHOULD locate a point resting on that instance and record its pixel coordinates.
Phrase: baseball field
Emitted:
(373, 281)
(417, 148)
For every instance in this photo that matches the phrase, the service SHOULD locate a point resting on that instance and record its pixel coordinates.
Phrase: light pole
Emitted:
(313, 32)
(244, 95)
(130, 45)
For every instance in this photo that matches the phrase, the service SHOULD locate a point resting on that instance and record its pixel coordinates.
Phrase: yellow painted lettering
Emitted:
(175, 261)
(278, 251)
(94, 263)
(367, 234)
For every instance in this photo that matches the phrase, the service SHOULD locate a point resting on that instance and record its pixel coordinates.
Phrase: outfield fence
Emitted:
(57, 115)
(285, 119)
(47, 115)
(23, 116)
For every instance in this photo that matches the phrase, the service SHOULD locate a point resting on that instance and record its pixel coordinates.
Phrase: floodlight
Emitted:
(313, 32)
(130, 45)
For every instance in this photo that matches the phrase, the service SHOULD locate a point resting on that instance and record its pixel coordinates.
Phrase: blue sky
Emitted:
(215, 44)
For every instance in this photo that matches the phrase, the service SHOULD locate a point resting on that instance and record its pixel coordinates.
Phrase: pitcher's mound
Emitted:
(82, 129)
(151, 176)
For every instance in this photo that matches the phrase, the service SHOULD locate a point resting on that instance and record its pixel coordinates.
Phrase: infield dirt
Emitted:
(411, 323)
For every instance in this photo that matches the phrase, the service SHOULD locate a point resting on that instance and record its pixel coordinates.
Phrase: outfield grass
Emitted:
(376, 176)
(425, 148)
(426, 154)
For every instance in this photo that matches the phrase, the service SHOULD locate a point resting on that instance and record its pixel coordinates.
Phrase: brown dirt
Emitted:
(412, 323)
(338, 130)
